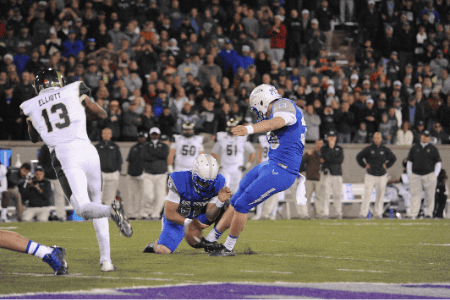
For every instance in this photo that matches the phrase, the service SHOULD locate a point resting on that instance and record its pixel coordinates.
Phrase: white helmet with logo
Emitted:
(204, 172)
(261, 97)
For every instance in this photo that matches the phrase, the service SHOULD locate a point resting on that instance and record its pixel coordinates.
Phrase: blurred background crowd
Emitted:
(154, 63)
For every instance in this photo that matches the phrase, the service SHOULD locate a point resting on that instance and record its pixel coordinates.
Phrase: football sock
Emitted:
(4, 215)
(101, 227)
(213, 235)
(95, 211)
(38, 250)
(230, 242)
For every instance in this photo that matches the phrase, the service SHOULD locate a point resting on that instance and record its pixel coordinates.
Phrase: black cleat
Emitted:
(222, 251)
(150, 248)
(207, 245)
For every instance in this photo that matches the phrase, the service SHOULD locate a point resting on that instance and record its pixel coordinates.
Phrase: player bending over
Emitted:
(198, 194)
(58, 117)
(285, 128)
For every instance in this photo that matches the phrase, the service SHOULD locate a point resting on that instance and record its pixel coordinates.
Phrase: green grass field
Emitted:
(388, 251)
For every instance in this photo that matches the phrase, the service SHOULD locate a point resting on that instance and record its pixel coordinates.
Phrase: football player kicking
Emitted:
(201, 194)
(285, 122)
(54, 256)
(58, 116)
(233, 149)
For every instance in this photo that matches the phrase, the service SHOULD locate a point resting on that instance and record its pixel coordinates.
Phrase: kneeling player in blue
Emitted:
(200, 193)
(285, 127)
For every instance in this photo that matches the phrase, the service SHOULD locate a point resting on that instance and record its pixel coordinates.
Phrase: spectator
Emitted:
(405, 135)
(154, 155)
(325, 15)
(187, 67)
(71, 45)
(116, 36)
(135, 183)
(440, 135)
(312, 121)
(111, 165)
(294, 37)
(208, 70)
(37, 196)
(376, 159)
(387, 130)
(423, 167)
(312, 160)
(277, 35)
(332, 158)
(10, 113)
(114, 119)
(417, 132)
(17, 179)
(21, 59)
(344, 121)
(360, 136)
(369, 21)
(59, 199)
(131, 120)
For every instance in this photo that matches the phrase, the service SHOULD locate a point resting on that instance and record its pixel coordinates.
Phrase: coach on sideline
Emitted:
(376, 159)
(423, 167)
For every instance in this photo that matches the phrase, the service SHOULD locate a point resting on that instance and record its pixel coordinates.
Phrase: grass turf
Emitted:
(389, 251)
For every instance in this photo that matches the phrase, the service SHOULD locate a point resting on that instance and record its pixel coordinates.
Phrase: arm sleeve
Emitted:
(248, 147)
(173, 197)
(285, 109)
(391, 158)
(360, 158)
(84, 90)
(437, 168)
(216, 148)
(409, 168)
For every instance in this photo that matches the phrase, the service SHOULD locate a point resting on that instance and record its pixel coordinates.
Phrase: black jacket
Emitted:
(36, 199)
(110, 156)
(333, 159)
(376, 156)
(134, 158)
(423, 158)
(155, 158)
(45, 161)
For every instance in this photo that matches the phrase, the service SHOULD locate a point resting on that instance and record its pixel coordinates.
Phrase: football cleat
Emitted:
(208, 246)
(222, 251)
(107, 266)
(118, 216)
(57, 260)
(150, 248)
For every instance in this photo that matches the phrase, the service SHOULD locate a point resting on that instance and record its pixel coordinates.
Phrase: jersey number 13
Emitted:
(63, 115)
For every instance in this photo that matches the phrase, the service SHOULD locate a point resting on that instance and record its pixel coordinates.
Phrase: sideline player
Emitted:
(200, 193)
(185, 149)
(233, 149)
(54, 256)
(58, 116)
(285, 124)
(265, 210)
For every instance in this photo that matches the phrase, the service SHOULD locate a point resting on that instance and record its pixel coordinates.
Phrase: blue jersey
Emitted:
(192, 203)
(287, 143)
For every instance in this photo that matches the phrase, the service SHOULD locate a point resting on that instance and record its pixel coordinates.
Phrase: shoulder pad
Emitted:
(221, 135)
(284, 105)
(220, 183)
(199, 138)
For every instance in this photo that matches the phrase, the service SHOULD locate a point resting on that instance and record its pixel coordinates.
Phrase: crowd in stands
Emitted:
(159, 63)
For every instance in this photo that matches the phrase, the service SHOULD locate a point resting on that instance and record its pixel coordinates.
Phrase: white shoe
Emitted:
(107, 266)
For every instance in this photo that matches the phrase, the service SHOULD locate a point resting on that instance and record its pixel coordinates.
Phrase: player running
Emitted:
(284, 123)
(58, 116)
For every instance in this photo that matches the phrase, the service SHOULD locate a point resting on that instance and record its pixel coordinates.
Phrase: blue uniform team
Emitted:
(193, 193)
(198, 194)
